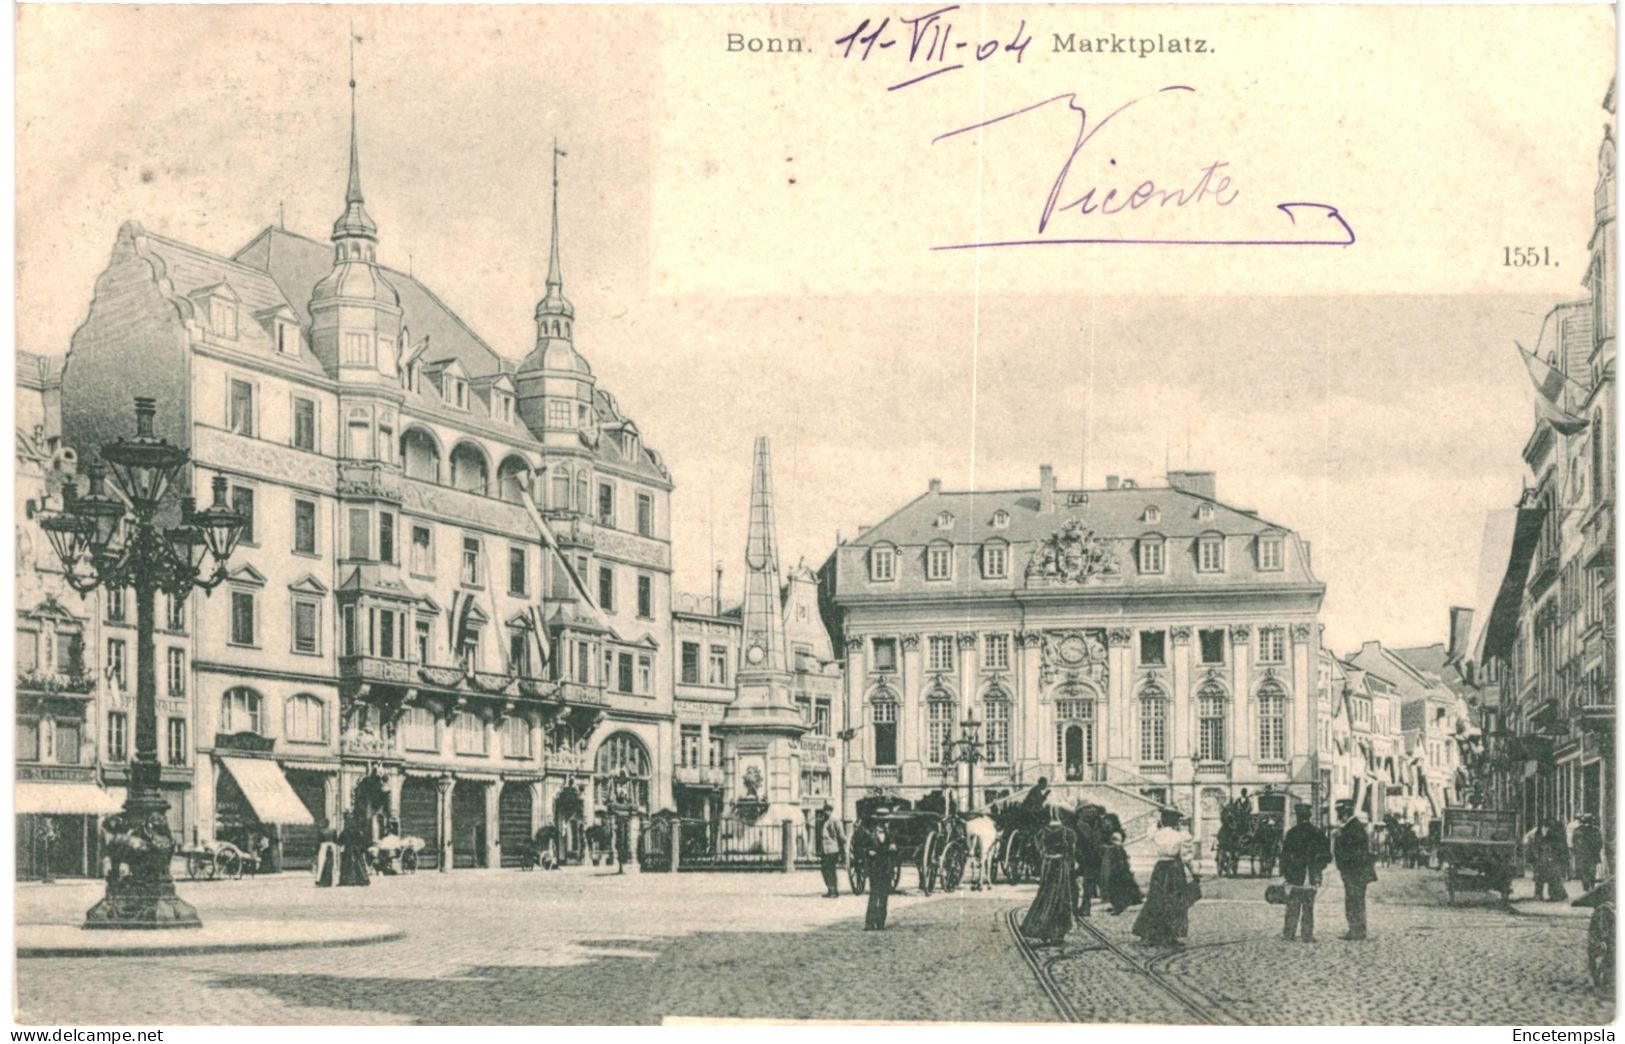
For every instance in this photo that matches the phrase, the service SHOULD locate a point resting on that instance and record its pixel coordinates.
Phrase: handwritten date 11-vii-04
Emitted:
(933, 44)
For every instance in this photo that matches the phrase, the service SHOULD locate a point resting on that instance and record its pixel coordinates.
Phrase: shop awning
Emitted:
(65, 799)
(267, 790)
(1501, 631)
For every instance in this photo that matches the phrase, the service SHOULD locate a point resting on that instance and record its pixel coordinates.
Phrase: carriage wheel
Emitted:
(1029, 864)
(231, 866)
(953, 866)
(211, 868)
(1600, 948)
(194, 866)
(927, 862)
(856, 876)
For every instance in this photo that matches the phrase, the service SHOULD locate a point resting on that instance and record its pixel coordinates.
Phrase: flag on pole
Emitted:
(552, 545)
(1551, 386)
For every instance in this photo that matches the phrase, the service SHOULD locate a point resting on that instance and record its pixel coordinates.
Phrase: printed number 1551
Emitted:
(1527, 257)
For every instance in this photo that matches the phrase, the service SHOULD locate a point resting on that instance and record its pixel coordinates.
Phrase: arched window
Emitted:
(1074, 733)
(1211, 706)
(939, 711)
(1153, 724)
(468, 733)
(883, 711)
(622, 752)
(468, 468)
(559, 500)
(512, 478)
(358, 435)
(1271, 722)
(303, 719)
(420, 456)
(996, 732)
(242, 710)
(386, 436)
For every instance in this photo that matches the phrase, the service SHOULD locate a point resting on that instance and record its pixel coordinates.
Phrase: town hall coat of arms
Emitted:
(1072, 555)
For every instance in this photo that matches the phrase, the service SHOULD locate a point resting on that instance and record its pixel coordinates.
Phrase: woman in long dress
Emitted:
(1117, 883)
(1164, 919)
(882, 858)
(1049, 918)
(355, 841)
(327, 856)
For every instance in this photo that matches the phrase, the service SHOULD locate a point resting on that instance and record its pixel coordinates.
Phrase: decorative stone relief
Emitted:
(967, 639)
(910, 641)
(1300, 632)
(1241, 634)
(1074, 653)
(1073, 555)
(1181, 635)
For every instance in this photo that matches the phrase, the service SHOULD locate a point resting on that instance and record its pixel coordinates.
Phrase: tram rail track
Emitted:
(1205, 1009)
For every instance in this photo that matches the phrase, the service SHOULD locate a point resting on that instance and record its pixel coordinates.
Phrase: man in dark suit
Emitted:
(1304, 855)
(830, 843)
(1354, 863)
(1090, 853)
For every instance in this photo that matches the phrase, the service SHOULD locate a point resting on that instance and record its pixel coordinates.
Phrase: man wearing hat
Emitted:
(1304, 855)
(1354, 863)
(830, 845)
(1586, 850)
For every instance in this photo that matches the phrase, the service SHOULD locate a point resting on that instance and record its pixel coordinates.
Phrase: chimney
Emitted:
(936, 485)
(1046, 489)
(1198, 483)
(1111, 482)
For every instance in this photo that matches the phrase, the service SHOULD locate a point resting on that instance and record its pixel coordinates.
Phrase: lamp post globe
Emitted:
(110, 540)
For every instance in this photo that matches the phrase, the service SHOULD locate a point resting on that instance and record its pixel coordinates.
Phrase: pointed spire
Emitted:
(763, 609)
(354, 222)
(555, 281)
(554, 305)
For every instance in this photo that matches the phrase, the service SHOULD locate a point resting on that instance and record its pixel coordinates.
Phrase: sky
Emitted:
(746, 242)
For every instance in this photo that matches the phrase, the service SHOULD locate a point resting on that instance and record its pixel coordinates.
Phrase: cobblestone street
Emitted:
(579, 946)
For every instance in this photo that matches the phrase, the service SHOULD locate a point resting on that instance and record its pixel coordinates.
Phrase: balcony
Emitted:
(1212, 769)
(698, 776)
(368, 480)
(577, 694)
(376, 670)
(46, 683)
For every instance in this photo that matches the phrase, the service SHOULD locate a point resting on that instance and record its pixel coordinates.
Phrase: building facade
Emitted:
(1119, 640)
(1544, 661)
(451, 611)
(61, 690)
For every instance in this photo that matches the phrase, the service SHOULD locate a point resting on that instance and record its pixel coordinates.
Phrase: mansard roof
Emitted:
(1109, 513)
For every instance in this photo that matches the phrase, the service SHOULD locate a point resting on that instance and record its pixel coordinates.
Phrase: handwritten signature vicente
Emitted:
(1212, 185)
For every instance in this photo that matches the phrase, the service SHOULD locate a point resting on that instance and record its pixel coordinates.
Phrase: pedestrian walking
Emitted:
(882, 859)
(1355, 865)
(1586, 849)
(1049, 917)
(1551, 858)
(353, 845)
(1090, 845)
(831, 846)
(1165, 918)
(327, 854)
(1305, 854)
(1118, 889)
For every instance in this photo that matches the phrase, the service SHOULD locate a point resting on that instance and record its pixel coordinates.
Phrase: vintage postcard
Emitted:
(917, 513)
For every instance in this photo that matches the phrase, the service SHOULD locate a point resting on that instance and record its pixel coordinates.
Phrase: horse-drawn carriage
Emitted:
(932, 840)
(1251, 827)
(393, 854)
(1480, 850)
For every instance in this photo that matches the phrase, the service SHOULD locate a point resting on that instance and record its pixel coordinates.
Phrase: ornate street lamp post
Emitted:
(968, 749)
(114, 541)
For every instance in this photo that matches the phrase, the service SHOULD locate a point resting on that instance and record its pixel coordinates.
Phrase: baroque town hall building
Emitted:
(402, 631)
(1136, 646)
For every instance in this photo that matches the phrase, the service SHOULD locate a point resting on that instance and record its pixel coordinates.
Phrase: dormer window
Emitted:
(1151, 554)
(1153, 515)
(287, 339)
(458, 393)
(502, 408)
(882, 564)
(1001, 519)
(1269, 553)
(1205, 512)
(629, 445)
(223, 318)
(558, 413)
(939, 562)
(1210, 553)
(995, 560)
(945, 520)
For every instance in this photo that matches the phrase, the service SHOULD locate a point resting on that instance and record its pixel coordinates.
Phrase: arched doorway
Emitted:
(420, 817)
(467, 825)
(371, 802)
(570, 823)
(622, 773)
(513, 821)
(1075, 734)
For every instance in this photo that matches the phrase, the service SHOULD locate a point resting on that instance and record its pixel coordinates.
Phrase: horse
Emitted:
(981, 837)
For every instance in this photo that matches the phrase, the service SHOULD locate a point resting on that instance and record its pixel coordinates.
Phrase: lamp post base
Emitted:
(142, 906)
